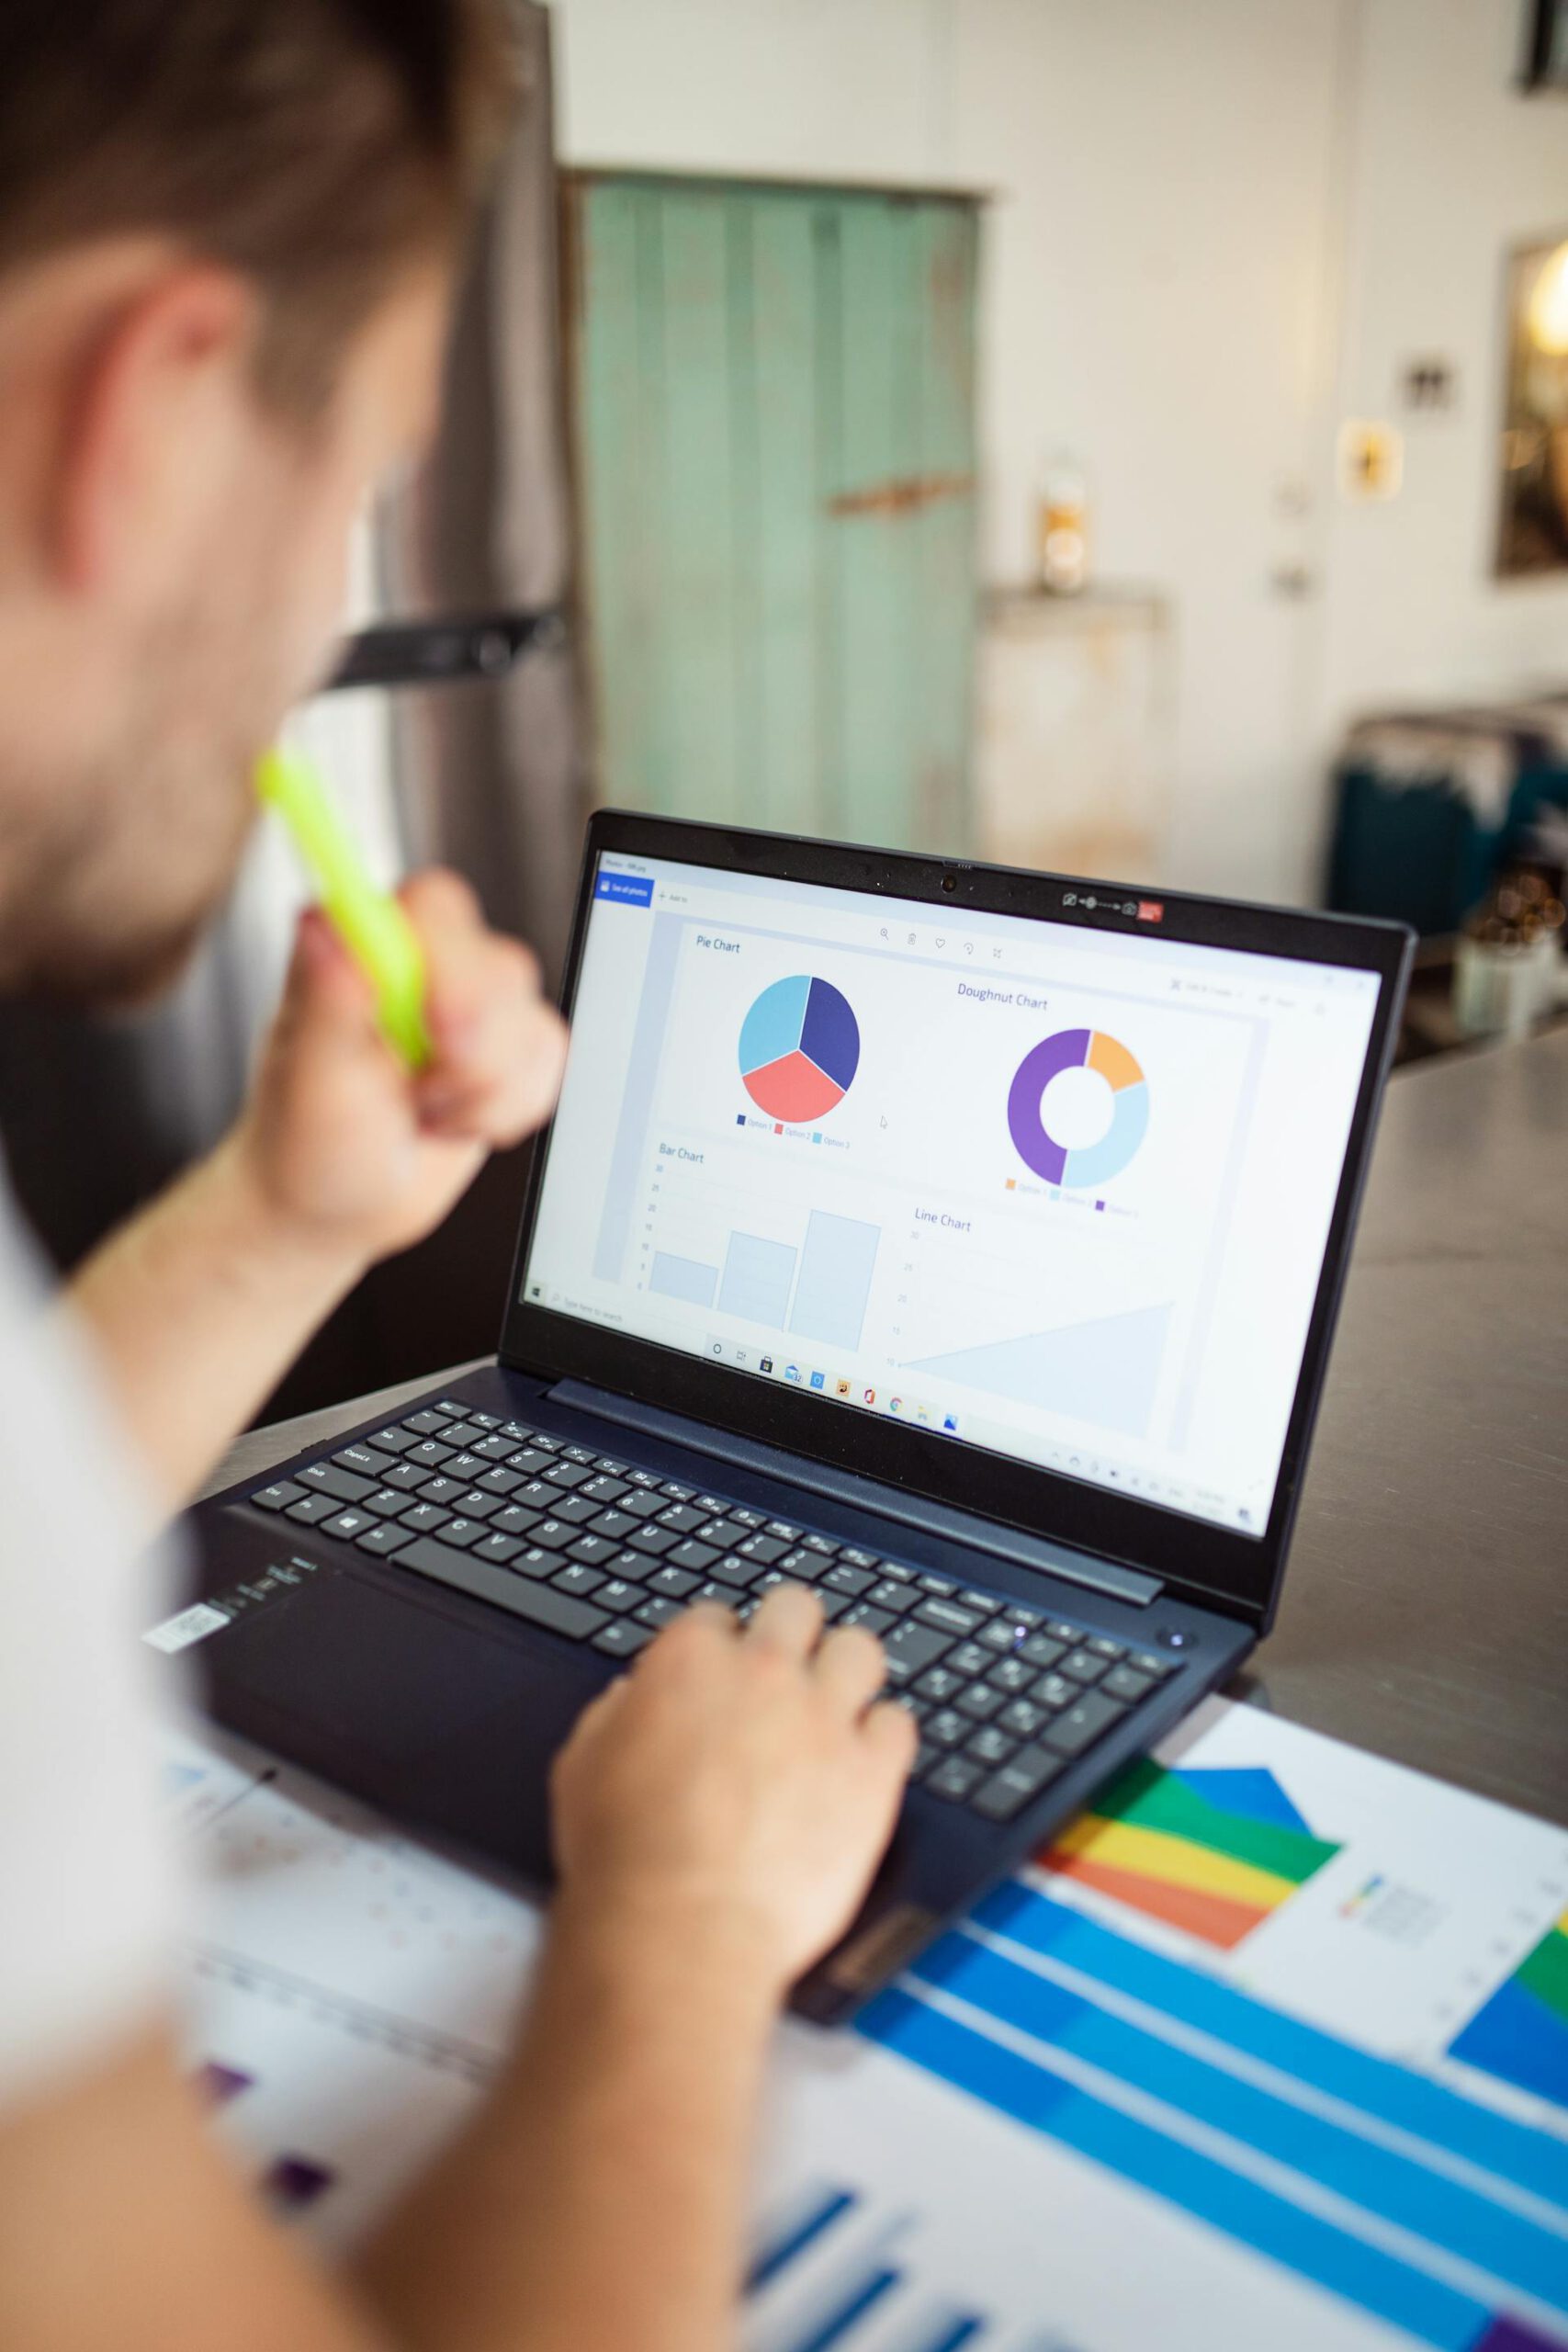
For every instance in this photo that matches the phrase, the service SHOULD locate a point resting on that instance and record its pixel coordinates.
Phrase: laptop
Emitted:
(962, 1243)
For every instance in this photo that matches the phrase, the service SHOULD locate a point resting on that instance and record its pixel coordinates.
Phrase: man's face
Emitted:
(117, 850)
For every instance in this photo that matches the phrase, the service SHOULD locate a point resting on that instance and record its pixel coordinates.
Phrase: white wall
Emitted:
(1220, 224)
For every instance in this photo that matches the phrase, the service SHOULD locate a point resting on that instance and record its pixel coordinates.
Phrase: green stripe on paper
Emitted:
(1152, 1799)
(1545, 1972)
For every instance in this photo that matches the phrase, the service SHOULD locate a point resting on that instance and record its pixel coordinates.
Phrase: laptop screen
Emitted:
(1056, 1193)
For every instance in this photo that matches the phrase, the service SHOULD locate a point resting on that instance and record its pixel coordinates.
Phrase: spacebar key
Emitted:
(556, 1611)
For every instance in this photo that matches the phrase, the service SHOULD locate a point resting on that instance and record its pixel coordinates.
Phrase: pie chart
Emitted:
(1088, 1164)
(799, 1048)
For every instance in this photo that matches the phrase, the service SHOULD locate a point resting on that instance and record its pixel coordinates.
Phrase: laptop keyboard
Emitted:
(600, 1553)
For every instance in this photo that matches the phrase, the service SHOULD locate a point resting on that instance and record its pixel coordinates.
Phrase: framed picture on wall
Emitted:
(1546, 45)
(1533, 523)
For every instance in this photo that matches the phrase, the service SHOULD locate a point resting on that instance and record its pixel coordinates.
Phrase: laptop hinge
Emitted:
(863, 1494)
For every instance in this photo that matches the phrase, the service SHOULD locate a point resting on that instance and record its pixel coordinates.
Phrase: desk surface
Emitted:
(1426, 1610)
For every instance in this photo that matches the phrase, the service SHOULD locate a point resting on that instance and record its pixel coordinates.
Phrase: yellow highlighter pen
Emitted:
(372, 926)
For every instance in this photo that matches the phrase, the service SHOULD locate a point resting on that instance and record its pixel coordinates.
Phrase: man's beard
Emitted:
(108, 909)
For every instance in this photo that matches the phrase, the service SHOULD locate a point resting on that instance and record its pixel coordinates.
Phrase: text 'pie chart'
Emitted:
(1087, 1164)
(799, 1049)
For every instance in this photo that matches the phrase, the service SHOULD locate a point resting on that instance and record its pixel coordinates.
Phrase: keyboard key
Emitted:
(1002, 1634)
(580, 1453)
(971, 1661)
(515, 1429)
(1011, 1675)
(387, 1502)
(1060, 1631)
(578, 1511)
(383, 1538)
(763, 1549)
(464, 1531)
(348, 1524)
(985, 1604)
(683, 1518)
(755, 1520)
(673, 1491)
(889, 1569)
(692, 1556)
(485, 1421)
(425, 1519)
(1103, 1646)
(1078, 1727)
(911, 1649)
(449, 1407)
(466, 1467)
(579, 1580)
(540, 1605)
(736, 1573)
(1054, 1692)
(990, 1746)
(980, 1701)
(345, 1484)
(947, 1728)
(959, 1622)
(874, 1621)
(823, 1543)
(657, 1612)
(603, 1489)
(494, 1448)
(425, 1424)
(654, 1541)
(277, 1497)
(365, 1460)
(955, 1779)
(855, 1581)
(311, 1509)
(621, 1638)
(806, 1567)
(553, 1534)
(593, 1551)
(1150, 1662)
(1023, 1718)
(1082, 1666)
(674, 1583)
(943, 1585)
(465, 1433)
(393, 1440)
(474, 1503)
(1017, 1784)
(611, 1463)
(527, 1460)
(429, 1455)
(724, 1534)
(1123, 1683)
(886, 1594)
(781, 1529)
(1041, 1650)
(500, 1548)
(568, 1474)
(940, 1682)
(501, 1482)
(413, 1478)
(618, 1597)
(616, 1524)
(514, 1520)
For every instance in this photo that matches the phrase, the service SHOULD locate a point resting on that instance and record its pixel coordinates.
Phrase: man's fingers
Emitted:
(893, 1732)
(790, 1619)
(852, 1668)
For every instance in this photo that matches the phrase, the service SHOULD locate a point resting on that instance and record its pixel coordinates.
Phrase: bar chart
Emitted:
(818, 1290)
(828, 2270)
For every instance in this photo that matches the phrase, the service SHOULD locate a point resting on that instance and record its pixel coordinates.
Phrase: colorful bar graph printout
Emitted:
(1520, 2035)
(1211, 1851)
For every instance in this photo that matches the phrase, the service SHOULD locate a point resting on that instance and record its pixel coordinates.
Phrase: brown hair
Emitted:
(317, 146)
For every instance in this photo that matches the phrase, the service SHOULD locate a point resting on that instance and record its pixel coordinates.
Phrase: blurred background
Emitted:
(1100, 435)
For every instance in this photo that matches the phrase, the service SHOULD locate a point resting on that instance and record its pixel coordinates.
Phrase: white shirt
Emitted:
(86, 1875)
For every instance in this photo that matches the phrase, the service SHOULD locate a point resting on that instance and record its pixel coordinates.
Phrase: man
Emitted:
(226, 241)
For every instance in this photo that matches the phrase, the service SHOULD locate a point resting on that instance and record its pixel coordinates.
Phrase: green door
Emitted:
(774, 401)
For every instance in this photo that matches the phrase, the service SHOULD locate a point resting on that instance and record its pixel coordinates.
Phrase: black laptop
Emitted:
(962, 1243)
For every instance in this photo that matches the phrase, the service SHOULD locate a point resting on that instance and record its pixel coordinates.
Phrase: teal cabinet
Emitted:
(774, 466)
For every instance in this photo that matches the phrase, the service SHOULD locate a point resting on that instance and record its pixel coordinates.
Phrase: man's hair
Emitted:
(317, 146)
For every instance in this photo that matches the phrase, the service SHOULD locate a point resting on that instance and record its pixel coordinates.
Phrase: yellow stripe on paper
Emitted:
(1153, 1853)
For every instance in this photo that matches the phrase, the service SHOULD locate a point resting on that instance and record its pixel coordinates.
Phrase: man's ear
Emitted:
(162, 396)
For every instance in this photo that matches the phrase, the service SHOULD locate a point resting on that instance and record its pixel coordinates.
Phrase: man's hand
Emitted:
(738, 1784)
(346, 1151)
